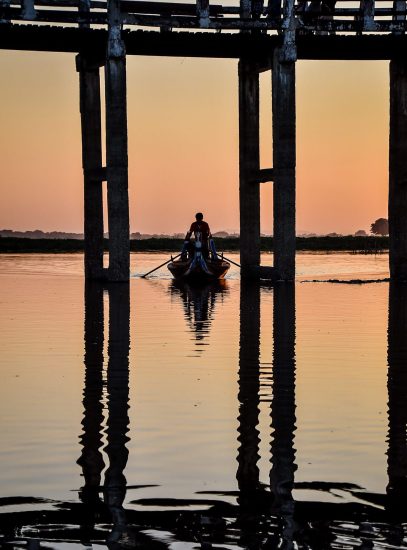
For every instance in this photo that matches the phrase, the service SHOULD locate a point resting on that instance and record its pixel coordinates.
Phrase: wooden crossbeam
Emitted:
(62, 3)
(58, 16)
(265, 175)
(100, 18)
(355, 12)
(203, 15)
(96, 174)
(171, 8)
(52, 38)
(185, 22)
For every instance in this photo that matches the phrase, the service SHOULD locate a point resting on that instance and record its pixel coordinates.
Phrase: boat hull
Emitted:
(183, 270)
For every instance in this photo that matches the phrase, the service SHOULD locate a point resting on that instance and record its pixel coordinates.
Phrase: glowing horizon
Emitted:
(183, 144)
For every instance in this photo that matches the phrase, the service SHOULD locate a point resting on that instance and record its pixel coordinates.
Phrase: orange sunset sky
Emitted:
(183, 144)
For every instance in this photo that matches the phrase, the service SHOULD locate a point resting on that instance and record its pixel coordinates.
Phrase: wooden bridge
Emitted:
(263, 37)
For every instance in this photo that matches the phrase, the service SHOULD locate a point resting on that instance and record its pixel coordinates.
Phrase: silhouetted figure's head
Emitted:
(199, 216)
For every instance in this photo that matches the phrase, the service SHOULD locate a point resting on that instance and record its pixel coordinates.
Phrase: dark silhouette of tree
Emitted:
(380, 227)
(361, 233)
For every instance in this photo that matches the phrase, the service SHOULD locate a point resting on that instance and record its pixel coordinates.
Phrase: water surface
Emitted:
(233, 415)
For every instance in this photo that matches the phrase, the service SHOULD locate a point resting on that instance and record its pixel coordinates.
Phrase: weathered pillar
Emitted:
(397, 391)
(116, 149)
(284, 161)
(89, 91)
(249, 165)
(283, 409)
(398, 170)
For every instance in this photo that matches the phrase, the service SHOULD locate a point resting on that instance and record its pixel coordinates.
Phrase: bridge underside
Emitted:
(200, 44)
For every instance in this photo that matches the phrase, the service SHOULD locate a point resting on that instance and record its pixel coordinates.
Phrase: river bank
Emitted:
(363, 245)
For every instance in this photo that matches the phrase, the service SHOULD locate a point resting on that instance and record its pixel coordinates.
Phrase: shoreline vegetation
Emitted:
(356, 245)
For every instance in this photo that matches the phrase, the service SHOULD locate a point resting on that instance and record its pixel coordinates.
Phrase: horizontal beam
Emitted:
(62, 3)
(199, 44)
(265, 175)
(58, 16)
(192, 22)
(96, 174)
(167, 8)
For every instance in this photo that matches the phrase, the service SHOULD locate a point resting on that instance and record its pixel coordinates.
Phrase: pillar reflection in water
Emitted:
(117, 398)
(249, 391)
(283, 410)
(397, 399)
(118, 405)
(91, 459)
(254, 500)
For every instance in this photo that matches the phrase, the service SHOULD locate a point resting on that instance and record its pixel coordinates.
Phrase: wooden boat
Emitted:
(198, 268)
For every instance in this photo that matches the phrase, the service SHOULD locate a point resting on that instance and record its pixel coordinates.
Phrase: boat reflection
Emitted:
(199, 302)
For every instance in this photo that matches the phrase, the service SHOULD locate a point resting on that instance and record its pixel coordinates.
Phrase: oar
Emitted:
(229, 260)
(162, 265)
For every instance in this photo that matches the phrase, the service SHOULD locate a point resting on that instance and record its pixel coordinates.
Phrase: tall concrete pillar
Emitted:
(89, 91)
(249, 166)
(284, 162)
(116, 149)
(398, 170)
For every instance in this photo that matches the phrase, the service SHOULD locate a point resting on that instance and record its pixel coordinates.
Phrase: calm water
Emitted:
(235, 415)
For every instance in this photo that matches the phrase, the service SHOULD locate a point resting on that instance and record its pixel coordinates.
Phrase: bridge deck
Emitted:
(309, 29)
(199, 44)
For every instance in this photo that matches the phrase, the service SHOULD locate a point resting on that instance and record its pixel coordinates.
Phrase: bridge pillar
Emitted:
(249, 166)
(89, 91)
(284, 162)
(116, 149)
(398, 170)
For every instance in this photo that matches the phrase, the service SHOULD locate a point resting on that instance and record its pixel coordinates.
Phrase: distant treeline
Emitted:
(364, 245)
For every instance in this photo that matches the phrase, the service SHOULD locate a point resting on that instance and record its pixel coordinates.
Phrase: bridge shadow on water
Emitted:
(256, 515)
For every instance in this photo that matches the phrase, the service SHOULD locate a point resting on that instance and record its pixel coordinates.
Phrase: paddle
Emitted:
(231, 261)
(162, 265)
